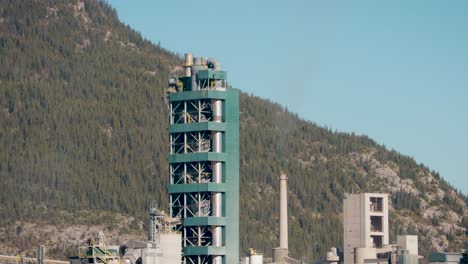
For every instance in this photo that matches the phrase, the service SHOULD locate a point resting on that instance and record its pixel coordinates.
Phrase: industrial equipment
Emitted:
(163, 245)
(97, 251)
(281, 253)
(365, 226)
(204, 162)
(254, 257)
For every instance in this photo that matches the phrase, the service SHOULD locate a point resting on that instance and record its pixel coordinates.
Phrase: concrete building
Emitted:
(254, 257)
(166, 251)
(204, 162)
(365, 225)
(408, 243)
(163, 245)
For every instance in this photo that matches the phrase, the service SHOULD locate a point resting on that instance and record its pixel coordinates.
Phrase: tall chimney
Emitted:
(283, 211)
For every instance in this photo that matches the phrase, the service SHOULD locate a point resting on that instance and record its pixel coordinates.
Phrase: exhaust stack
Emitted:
(281, 253)
(283, 237)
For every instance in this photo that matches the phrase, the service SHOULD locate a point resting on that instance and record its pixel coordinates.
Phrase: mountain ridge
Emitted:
(83, 127)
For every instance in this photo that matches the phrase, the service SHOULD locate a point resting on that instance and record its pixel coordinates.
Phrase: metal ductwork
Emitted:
(197, 66)
(193, 65)
(204, 61)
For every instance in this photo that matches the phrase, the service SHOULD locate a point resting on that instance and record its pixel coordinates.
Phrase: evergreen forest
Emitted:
(83, 125)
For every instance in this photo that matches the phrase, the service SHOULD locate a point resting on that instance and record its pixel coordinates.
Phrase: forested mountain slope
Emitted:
(83, 127)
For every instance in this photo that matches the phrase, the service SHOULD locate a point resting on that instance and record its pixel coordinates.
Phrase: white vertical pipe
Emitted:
(283, 211)
(171, 144)
(217, 141)
(217, 210)
(171, 170)
(217, 106)
(217, 259)
(172, 115)
(185, 143)
(185, 112)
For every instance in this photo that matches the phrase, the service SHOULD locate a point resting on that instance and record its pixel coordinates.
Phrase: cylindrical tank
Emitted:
(188, 60)
(188, 71)
(195, 68)
(187, 64)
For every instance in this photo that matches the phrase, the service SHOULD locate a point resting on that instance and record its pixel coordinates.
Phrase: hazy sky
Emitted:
(396, 71)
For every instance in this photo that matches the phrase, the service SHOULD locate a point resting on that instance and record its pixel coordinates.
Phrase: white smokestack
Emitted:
(283, 211)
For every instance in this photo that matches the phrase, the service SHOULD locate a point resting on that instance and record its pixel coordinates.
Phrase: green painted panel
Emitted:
(436, 257)
(186, 82)
(196, 187)
(197, 156)
(444, 257)
(196, 95)
(230, 159)
(231, 198)
(210, 126)
(195, 251)
(210, 74)
(204, 221)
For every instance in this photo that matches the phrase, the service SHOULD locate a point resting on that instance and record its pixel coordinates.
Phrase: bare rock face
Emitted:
(64, 235)
(95, 84)
(433, 221)
(387, 173)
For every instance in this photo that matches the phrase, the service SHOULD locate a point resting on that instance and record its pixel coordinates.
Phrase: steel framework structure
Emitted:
(204, 168)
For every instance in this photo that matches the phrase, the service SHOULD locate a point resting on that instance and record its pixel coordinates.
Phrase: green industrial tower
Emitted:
(204, 162)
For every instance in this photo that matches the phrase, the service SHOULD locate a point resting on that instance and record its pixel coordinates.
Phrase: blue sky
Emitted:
(396, 71)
